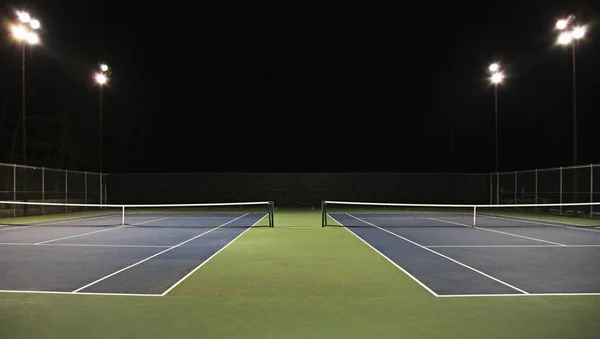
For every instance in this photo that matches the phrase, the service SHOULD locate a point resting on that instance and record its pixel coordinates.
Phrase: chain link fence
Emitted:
(39, 184)
(575, 184)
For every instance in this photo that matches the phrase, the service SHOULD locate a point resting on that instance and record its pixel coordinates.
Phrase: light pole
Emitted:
(24, 32)
(101, 79)
(569, 35)
(496, 79)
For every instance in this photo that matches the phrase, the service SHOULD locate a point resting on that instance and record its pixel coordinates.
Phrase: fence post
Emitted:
(15, 189)
(100, 174)
(43, 188)
(491, 189)
(560, 190)
(66, 189)
(497, 188)
(516, 188)
(85, 187)
(536, 188)
(105, 192)
(591, 190)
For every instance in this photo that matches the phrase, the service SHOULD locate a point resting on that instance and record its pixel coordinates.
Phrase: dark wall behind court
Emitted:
(298, 190)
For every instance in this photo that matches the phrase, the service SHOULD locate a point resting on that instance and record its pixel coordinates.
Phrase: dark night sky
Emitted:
(282, 86)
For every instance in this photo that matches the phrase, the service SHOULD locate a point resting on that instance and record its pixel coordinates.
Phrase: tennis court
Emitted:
(501, 251)
(109, 249)
(295, 280)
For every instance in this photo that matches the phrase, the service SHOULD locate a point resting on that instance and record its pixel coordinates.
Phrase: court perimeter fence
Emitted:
(550, 185)
(40, 184)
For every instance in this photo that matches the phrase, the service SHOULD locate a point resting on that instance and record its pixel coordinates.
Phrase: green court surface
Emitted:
(297, 280)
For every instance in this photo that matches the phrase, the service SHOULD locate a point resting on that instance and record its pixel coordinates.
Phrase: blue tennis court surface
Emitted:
(499, 256)
(122, 259)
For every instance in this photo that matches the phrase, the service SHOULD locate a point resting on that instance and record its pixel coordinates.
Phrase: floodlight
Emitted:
(24, 17)
(497, 78)
(35, 24)
(100, 78)
(578, 32)
(562, 24)
(32, 38)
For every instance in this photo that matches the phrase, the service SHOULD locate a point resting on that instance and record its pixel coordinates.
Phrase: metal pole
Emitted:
(591, 190)
(561, 189)
(491, 189)
(100, 189)
(516, 189)
(105, 191)
(496, 143)
(536, 188)
(497, 188)
(575, 182)
(43, 188)
(66, 189)
(85, 188)
(24, 125)
(15, 189)
(496, 122)
(101, 146)
(23, 105)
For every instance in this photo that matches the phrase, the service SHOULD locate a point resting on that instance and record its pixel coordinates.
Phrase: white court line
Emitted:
(202, 216)
(555, 223)
(513, 246)
(208, 259)
(148, 221)
(494, 246)
(77, 235)
(99, 231)
(505, 233)
(155, 255)
(441, 255)
(388, 259)
(81, 293)
(451, 222)
(81, 245)
(108, 245)
(517, 295)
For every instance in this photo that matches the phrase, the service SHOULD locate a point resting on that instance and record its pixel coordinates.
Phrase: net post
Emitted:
(474, 215)
(123, 215)
(323, 214)
(560, 190)
(271, 214)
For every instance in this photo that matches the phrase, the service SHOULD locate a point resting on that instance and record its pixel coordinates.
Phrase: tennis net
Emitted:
(237, 214)
(359, 214)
